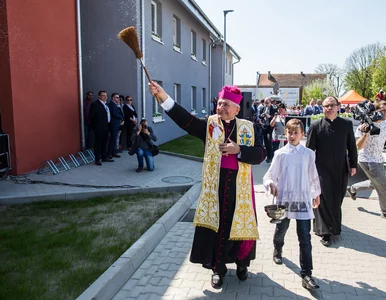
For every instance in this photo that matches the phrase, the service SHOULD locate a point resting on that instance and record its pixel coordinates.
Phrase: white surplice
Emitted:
(294, 173)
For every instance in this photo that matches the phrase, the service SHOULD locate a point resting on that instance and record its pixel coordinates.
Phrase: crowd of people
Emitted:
(108, 123)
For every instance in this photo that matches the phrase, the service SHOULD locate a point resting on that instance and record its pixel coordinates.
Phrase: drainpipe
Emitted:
(210, 76)
(233, 69)
(80, 75)
(143, 58)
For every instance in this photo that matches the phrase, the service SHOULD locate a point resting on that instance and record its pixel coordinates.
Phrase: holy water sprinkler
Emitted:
(130, 37)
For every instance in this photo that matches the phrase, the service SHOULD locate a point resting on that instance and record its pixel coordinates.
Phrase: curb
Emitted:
(94, 193)
(195, 158)
(109, 283)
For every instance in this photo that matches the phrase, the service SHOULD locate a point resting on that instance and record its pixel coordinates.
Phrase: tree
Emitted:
(360, 66)
(335, 77)
(317, 89)
(379, 76)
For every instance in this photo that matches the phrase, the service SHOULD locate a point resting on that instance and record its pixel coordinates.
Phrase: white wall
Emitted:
(252, 90)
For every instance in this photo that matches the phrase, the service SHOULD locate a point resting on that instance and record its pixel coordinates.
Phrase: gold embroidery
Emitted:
(244, 225)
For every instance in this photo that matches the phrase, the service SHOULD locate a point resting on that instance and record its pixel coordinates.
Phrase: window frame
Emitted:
(177, 92)
(203, 50)
(156, 107)
(154, 18)
(193, 98)
(193, 43)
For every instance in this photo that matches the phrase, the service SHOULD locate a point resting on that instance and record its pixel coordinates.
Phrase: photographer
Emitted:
(278, 124)
(142, 143)
(371, 160)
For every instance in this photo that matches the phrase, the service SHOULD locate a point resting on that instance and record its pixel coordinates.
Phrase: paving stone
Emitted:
(151, 289)
(192, 284)
(180, 293)
(241, 296)
(198, 294)
(158, 297)
(265, 290)
(224, 296)
(340, 296)
(239, 287)
(168, 282)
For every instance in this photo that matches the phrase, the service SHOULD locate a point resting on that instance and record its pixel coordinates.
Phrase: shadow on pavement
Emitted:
(330, 288)
(365, 243)
(361, 209)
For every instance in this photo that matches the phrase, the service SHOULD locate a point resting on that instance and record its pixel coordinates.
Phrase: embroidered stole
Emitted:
(207, 215)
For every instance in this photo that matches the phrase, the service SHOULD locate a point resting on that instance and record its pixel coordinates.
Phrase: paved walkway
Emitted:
(120, 173)
(354, 267)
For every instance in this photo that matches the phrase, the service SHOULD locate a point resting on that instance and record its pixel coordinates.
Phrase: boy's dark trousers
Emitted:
(303, 228)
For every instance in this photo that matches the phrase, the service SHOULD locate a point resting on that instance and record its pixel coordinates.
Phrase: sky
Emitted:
(285, 36)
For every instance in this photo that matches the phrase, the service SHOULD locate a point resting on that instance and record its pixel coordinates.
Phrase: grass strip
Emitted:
(187, 144)
(55, 250)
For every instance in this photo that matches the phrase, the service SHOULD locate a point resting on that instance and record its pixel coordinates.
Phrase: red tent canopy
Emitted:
(351, 97)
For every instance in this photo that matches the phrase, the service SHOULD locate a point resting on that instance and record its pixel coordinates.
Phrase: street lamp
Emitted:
(225, 43)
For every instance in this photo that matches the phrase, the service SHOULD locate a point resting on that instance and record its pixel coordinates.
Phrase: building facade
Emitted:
(49, 65)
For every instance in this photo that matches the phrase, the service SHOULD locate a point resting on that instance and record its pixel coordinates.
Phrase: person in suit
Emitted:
(119, 138)
(312, 109)
(267, 113)
(115, 123)
(99, 120)
(130, 119)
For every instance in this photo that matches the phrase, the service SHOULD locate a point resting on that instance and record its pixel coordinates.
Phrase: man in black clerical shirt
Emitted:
(333, 140)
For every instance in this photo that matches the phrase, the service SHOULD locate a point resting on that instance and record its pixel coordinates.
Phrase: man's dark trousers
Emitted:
(112, 149)
(267, 133)
(303, 228)
(100, 145)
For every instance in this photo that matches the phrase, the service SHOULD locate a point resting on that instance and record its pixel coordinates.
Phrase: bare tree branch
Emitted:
(335, 76)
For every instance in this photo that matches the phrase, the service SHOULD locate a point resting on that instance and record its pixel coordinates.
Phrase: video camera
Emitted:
(365, 112)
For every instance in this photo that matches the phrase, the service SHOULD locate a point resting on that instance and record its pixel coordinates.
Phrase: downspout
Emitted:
(80, 75)
(233, 69)
(143, 58)
(210, 76)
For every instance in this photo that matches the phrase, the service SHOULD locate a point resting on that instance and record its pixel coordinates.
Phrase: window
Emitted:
(203, 50)
(176, 32)
(156, 18)
(157, 109)
(193, 49)
(226, 66)
(203, 98)
(177, 93)
(230, 67)
(193, 99)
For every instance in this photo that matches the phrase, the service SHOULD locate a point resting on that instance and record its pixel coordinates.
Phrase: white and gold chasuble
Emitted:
(207, 215)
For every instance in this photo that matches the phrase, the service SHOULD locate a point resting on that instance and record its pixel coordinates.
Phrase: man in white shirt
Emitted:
(371, 160)
(294, 181)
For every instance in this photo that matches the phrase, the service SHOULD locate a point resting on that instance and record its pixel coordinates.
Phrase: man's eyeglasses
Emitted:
(329, 105)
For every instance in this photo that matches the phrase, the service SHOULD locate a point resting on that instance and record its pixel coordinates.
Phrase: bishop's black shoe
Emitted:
(277, 258)
(217, 281)
(242, 273)
(309, 283)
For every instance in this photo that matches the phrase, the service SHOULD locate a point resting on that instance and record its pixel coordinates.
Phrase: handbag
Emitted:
(153, 149)
(133, 148)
